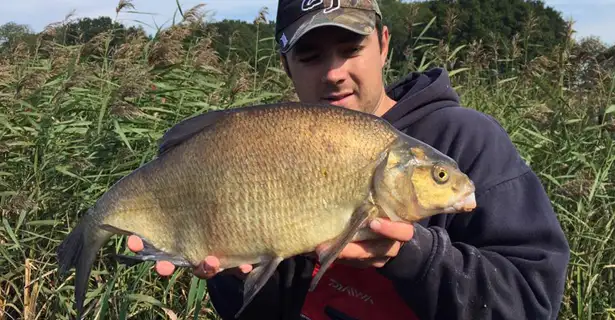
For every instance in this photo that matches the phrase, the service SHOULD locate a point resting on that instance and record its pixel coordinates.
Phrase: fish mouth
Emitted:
(466, 204)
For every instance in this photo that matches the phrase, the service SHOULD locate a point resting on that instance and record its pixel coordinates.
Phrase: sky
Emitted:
(592, 17)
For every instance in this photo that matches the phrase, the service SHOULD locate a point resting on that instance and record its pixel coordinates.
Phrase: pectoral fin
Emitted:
(357, 221)
(256, 279)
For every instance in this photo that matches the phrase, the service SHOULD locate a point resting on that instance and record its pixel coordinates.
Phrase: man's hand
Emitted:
(362, 254)
(205, 270)
(376, 252)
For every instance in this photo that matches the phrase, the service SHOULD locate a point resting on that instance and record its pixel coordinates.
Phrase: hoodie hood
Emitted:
(419, 94)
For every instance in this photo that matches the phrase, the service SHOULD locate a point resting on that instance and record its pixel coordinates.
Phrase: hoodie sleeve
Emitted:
(507, 259)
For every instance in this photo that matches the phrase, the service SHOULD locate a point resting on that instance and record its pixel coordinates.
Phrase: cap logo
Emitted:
(311, 4)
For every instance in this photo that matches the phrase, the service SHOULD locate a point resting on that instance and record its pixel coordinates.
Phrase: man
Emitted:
(506, 260)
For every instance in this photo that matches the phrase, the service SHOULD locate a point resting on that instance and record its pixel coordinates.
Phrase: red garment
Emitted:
(354, 294)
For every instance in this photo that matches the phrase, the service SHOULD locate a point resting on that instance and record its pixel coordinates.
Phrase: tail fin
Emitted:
(79, 250)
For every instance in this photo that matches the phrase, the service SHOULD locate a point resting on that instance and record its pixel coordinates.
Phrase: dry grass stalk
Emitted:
(96, 46)
(126, 110)
(411, 17)
(6, 73)
(123, 4)
(541, 65)
(451, 21)
(516, 50)
(133, 81)
(32, 81)
(578, 187)
(610, 127)
(477, 57)
(203, 54)
(51, 30)
(262, 16)
(529, 27)
(61, 57)
(19, 57)
(168, 49)
(31, 311)
(132, 49)
(2, 300)
(18, 203)
(242, 84)
(540, 113)
(26, 293)
(194, 16)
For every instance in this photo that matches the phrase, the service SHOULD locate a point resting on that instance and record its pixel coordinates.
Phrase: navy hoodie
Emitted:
(505, 260)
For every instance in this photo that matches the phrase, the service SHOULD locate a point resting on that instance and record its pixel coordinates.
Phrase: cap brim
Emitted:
(356, 20)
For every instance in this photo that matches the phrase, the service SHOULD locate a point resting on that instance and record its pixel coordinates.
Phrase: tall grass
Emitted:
(74, 119)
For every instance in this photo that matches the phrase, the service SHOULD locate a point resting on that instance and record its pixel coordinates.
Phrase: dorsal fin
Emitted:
(185, 129)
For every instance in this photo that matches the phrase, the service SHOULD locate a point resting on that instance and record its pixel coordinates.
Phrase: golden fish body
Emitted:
(265, 183)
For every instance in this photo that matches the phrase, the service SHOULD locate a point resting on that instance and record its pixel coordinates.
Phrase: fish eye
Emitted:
(440, 174)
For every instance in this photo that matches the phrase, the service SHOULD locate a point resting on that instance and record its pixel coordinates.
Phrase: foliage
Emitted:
(467, 20)
(12, 33)
(535, 27)
(86, 29)
(70, 127)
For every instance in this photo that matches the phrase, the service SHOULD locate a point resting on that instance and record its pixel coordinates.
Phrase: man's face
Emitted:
(339, 67)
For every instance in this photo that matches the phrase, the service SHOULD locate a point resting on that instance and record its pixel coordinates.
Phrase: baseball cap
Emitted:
(295, 18)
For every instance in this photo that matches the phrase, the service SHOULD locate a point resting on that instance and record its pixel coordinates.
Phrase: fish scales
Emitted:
(259, 184)
(243, 208)
(288, 213)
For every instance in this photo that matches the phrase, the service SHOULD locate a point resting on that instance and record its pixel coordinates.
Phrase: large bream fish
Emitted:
(256, 185)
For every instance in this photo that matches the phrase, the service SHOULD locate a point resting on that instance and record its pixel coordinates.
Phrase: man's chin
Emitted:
(347, 102)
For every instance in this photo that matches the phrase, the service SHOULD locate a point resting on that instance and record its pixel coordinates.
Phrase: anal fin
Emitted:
(140, 258)
(256, 279)
(151, 253)
(357, 221)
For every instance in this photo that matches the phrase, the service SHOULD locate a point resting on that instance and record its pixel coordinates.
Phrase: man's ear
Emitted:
(285, 65)
(386, 39)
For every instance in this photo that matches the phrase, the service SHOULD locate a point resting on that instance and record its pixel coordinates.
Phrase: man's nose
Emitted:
(336, 72)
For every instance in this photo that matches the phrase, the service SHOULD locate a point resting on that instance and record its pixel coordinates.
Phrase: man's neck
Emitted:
(385, 104)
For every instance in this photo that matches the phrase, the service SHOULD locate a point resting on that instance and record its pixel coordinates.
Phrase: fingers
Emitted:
(366, 250)
(164, 268)
(376, 252)
(211, 267)
(373, 253)
(135, 244)
(242, 271)
(245, 268)
(374, 262)
(206, 270)
(399, 231)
